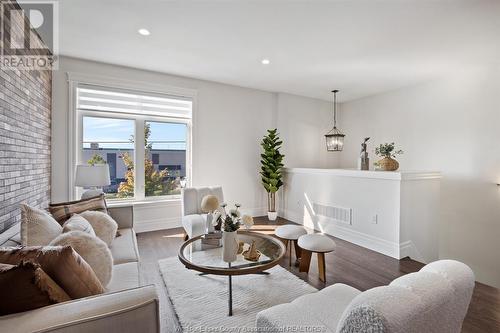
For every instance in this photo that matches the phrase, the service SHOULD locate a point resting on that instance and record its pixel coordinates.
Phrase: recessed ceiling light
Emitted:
(144, 32)
(266, 61)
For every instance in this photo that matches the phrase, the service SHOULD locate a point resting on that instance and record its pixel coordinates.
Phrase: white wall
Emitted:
(302, 123)
(228, 126)
(450, 125)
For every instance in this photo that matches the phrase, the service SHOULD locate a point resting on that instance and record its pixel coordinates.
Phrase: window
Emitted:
(103, 140)
(165, 144)
(120, 127)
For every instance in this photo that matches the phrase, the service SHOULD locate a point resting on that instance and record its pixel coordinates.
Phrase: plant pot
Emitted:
(272, 216)
(229, 246)
(388, 164)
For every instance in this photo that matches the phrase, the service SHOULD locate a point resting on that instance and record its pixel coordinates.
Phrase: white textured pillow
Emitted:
(37, 226)
(93, 250)
(77, 222)
(103, 224)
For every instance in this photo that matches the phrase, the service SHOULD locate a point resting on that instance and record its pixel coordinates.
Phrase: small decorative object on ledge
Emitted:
(364, 161)
(388, 163)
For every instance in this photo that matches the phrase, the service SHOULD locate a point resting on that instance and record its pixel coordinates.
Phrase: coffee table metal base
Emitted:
(230, 302)
(230, 285)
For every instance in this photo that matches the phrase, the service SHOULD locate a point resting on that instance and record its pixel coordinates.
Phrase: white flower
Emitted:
(234, 213)
(215, 218)
(247, 220)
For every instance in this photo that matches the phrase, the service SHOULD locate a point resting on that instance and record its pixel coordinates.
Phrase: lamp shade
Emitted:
(92, 175)
(209, 203)
(334, 140)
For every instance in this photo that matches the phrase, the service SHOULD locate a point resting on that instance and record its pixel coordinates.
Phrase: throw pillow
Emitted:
(104, 226)
(37, 226)
(93, 250)
(77, 222)
(64, 210)
(26, 287)
(62, 264)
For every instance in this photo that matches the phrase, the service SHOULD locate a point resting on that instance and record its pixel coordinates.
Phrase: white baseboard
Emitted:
(258, 211)
(408, 249)
(291, 216)
(329, 227)
(157, 224)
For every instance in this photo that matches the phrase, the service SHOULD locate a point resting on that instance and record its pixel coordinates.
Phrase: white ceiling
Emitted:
(361, 47)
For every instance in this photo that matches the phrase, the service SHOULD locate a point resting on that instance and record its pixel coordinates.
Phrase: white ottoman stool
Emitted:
(319, 244)
(290, 233)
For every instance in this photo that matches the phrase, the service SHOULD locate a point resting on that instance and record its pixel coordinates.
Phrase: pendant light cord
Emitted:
(334, 108)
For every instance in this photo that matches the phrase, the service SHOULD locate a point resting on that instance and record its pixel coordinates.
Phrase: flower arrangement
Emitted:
(231, 221)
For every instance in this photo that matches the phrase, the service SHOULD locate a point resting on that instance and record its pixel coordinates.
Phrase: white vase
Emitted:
(272, 216)
(229, 246)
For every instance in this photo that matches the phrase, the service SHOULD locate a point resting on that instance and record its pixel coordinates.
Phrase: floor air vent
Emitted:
(339, 214)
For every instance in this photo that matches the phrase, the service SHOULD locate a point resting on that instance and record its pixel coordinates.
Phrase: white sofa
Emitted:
(193, 219)
(125, 307)
(433, 300)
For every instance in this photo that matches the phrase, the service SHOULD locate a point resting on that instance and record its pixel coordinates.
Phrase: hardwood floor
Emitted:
(349, 264)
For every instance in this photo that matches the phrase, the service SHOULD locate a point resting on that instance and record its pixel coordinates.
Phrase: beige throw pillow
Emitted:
(78, 223)
(37, 226)
(93, 250)
(104, 226)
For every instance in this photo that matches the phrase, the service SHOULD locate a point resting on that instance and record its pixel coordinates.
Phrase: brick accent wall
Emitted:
(25, 138)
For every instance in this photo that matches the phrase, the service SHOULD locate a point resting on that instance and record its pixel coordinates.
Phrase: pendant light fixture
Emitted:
(334, 138)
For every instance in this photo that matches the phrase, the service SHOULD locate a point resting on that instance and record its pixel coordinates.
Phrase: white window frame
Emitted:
(75, 130)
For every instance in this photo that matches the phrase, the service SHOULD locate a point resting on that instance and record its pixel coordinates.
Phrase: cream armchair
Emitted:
(193, 219)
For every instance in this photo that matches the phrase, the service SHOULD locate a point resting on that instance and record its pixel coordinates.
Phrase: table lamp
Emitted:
(93, 177)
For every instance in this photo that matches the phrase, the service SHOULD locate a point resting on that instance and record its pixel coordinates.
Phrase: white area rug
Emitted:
(201, 302)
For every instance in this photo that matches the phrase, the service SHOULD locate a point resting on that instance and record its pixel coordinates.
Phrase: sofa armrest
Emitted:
(132, 310)
(123, 215)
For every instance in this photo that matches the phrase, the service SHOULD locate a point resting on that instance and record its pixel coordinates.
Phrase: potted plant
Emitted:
(272, 163)
(388, 152)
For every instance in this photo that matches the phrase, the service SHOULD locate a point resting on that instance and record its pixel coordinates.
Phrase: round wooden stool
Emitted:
(319, 244)
(289, 234)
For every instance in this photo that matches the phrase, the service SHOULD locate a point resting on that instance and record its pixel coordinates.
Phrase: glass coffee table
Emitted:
(207, 259)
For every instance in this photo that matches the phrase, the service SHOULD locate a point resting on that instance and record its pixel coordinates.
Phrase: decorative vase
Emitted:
(388, 164)
(272, 216)
(209, 227)
(229, 246)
